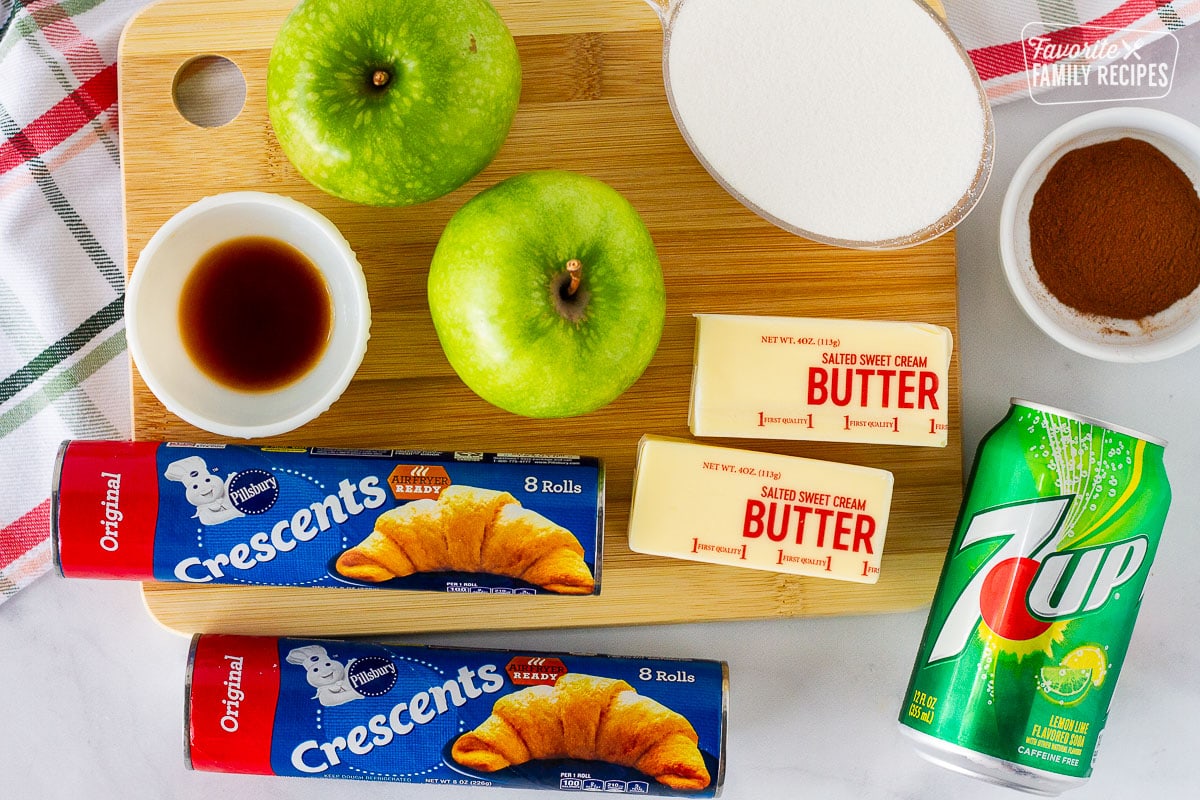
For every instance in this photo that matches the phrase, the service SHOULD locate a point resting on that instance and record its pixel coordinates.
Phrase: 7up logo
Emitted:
(1026, 584)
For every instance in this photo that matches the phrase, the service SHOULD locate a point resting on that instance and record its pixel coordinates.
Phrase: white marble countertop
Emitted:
(93, 704)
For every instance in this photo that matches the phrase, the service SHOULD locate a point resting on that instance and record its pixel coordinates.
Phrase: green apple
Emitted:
(392, 103)
(547, 294)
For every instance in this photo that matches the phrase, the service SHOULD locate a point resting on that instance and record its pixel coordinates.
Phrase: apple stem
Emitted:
(575, 270)
(380, 78)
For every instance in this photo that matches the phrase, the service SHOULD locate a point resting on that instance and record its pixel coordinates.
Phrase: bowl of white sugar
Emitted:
(858, 124)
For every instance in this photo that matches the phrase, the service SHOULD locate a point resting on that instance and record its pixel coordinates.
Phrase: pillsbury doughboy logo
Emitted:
(204, 490)
(372, 676)
(325, 674)
(253, 491)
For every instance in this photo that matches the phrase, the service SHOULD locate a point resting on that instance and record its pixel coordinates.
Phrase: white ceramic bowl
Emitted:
(152, 314)
(1166, 334)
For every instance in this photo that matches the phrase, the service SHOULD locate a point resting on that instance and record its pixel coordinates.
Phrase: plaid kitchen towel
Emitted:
(63, 368)
(63, 371)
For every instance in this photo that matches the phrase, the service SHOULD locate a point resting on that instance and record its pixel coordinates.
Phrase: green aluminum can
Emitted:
(1037, 599)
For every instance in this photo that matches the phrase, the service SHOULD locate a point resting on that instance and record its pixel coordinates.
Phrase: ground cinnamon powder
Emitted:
(1115, 230)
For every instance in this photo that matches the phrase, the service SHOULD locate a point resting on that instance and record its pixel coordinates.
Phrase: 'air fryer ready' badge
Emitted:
(418, 481)
(535, 670)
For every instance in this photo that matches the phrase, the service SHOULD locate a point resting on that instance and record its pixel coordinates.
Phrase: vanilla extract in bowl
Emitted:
(255, 314)
(243, 337)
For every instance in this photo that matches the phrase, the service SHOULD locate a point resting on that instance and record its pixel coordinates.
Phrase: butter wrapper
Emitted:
(763, 511)
(829, 380)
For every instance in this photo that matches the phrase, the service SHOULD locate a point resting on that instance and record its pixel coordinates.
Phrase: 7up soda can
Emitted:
(1037, 599)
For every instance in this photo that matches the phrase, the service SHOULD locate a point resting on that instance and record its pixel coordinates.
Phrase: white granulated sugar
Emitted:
(855, 121)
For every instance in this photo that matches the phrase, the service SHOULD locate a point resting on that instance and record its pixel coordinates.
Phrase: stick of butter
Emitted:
(832, 380)
(759, 510)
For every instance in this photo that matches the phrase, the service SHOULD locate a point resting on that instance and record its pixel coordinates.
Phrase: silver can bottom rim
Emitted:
(989, 768)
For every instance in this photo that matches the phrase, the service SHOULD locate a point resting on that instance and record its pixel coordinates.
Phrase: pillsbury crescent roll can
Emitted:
(517, 719)
(498, 523)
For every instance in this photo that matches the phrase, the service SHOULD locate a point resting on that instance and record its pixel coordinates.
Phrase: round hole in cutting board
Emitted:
(209, 91)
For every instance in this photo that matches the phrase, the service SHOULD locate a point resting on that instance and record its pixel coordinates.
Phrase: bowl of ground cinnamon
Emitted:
(1100, 235)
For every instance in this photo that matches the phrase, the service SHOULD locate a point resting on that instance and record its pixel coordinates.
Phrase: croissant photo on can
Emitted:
(589, 718)
(469, 529)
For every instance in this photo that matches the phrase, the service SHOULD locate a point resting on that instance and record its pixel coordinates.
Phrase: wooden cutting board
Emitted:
(592, 102)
